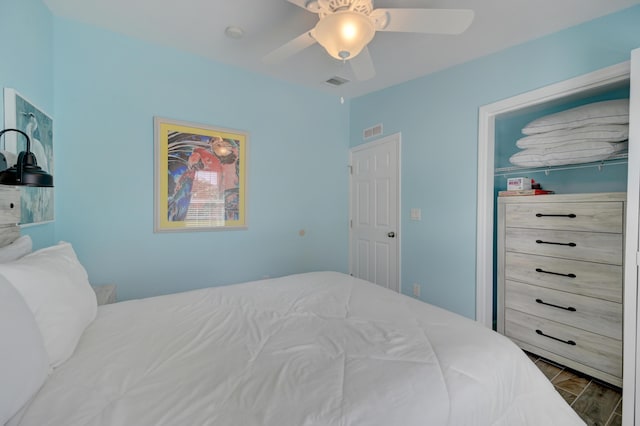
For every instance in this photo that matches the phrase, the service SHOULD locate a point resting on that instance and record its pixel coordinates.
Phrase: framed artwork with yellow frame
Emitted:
(200, 177)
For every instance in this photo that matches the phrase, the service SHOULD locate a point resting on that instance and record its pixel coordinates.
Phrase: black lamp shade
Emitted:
(26, 171)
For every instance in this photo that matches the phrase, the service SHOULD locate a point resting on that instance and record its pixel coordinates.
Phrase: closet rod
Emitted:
(510, 171)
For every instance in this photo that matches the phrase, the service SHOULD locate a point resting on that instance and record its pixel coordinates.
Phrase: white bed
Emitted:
(320, 348)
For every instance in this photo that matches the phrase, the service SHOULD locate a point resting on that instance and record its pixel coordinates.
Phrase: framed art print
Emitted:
(200, 177)
(36, 203)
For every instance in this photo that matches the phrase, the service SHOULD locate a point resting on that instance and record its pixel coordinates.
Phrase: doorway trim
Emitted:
(630, 319)
(396, 140)
(485, 180)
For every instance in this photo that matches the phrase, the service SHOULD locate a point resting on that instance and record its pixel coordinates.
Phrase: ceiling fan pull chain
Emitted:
(344, 66)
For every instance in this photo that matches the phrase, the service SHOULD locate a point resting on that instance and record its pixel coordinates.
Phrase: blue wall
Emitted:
(438, 118)
(26, 45)
(108, 89)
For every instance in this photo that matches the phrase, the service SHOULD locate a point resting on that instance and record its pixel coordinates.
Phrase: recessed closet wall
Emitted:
(611, 176)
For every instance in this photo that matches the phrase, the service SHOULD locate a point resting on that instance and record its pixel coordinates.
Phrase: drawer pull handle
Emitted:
(570, 308)
(568, 342)
(557, 244)
(555, 273)
(571, 215)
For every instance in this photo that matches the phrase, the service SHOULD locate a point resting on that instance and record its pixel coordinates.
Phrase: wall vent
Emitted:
(337, 81)
(372, 131)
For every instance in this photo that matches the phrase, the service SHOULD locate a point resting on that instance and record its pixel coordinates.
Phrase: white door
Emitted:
(631, 367)
(375, 206)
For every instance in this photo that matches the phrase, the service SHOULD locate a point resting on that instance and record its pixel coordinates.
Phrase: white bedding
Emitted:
(312, 349)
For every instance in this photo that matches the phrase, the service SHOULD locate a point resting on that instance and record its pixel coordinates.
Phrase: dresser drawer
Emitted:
(592, 217)
(587, 246)
(595, 315)
(599, 280)
(599, 352)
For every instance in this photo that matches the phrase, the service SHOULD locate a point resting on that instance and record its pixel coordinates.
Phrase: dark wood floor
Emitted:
(596, 402)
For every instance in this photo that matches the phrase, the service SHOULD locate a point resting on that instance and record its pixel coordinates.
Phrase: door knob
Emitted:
(391, 234)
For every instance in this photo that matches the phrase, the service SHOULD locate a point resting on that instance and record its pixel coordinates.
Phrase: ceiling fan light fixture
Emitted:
(344, 33)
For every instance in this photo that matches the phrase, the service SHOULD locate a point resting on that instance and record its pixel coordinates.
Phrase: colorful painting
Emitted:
(200, 177)
(36, 203)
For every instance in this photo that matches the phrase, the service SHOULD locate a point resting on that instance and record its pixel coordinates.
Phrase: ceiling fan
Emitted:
(346, 27)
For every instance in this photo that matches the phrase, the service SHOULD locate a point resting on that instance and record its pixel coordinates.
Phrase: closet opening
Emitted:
(500, 127)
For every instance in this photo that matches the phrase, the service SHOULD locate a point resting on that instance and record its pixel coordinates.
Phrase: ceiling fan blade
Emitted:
(299, 3)
(290, 48)
(362, 65)
(429, 21)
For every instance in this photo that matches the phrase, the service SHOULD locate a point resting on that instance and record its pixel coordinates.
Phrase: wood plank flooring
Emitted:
(596, 402)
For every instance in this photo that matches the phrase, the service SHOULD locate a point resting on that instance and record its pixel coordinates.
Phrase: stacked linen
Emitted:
(588, 133)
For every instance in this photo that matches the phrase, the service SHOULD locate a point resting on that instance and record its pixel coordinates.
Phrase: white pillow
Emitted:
(582, 152)
(606, 112)
(568, 153)
(56, 288)
(23, 359)
(16, 249)
(593, 133)
(532, 157)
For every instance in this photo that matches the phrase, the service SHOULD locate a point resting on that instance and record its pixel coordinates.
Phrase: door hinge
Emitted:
(350, 223)
(638, 258)
(350, 169)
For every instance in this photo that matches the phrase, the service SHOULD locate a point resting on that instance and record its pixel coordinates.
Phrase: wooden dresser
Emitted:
(560, 269)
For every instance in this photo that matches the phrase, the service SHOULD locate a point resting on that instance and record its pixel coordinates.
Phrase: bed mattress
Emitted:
(311, 349)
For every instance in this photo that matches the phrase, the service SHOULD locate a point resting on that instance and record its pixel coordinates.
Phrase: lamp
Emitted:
(26, 170)
(344, 33)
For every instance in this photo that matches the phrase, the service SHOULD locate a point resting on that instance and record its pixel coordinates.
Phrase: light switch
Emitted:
(416, 214)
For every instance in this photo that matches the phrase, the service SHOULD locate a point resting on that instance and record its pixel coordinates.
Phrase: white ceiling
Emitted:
(198, 26)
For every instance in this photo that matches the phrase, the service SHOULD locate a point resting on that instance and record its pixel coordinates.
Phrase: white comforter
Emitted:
(311, 349)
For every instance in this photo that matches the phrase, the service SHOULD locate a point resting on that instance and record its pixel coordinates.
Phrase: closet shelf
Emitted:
(515, 170)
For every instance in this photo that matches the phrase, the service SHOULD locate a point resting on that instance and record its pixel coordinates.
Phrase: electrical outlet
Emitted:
(416, 290)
